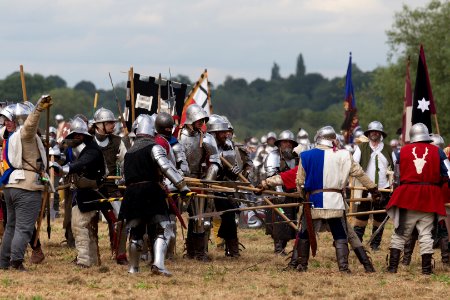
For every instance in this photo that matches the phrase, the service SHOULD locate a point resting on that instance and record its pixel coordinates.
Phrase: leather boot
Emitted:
(293, 263)
(303, 255)
(376, 242)
(189, 244)
(200, 247)
(279, 247)
(232, 248)
(427, 268)
(444, 251)
(394, 260)
(409, 249)
(359, 230)
(361, 254)
(18, 265)
(37, 256)
(342, 255)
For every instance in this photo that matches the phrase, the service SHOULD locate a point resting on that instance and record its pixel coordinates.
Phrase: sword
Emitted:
(378, 230)
(309, 225)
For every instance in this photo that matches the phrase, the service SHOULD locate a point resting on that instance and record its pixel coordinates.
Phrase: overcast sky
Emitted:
(86, 39)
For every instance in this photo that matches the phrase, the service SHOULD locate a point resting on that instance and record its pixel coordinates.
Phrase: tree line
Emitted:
(301, 100)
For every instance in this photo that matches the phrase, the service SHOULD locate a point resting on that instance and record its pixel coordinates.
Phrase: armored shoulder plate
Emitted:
(166, 167)
(272, 163)
(180, 158)
(212, 151)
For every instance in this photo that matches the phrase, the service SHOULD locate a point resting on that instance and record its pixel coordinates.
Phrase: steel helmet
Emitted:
(78, 125)
(419, 133)
(194, 113)
(216, 123)
(104, 115)
(272, 135)
(437, 140)
(357, 132)
(286, 135)
(375, 126)
(59, 118)
(163, 122)
(325, 136)
(230, 127)
(263, 139)
(303, 137)
(145, 125)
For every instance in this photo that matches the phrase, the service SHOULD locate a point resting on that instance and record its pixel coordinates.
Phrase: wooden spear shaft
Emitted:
(277, 210)
(24, 87)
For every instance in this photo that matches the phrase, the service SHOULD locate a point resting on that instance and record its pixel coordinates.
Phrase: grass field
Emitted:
(257, 274)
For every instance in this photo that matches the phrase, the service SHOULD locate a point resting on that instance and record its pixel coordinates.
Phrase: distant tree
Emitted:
(182, 79)
(301, 69)
(275, 72)
(56, 81)
(86, 86)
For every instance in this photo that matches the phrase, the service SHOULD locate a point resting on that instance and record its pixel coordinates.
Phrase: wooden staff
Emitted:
(214, 214)
(363, 213)
(131, 76)
(361, 188)
(352, 200)
(46, 194)
(436, 123)
(277, 210)
(24, 87)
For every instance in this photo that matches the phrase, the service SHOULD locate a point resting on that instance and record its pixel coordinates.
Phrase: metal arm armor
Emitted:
(167, 168)
(272, 163)
(212, 151)
(180, 158)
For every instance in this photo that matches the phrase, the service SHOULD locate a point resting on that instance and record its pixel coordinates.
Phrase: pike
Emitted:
(363, 213)
(217, 182)
(218, 213)
(122, 120)
(361, 188)
(225, 198)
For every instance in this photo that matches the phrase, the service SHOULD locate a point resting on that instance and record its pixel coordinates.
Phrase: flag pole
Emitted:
(159, 93)
(209, 92)
(131, 76)
(437, 124)
(24, 87)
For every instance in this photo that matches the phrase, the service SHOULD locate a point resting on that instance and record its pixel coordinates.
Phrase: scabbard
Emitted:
(309, 225)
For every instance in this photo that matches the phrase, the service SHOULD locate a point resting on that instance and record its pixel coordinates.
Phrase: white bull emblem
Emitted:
(419, 163)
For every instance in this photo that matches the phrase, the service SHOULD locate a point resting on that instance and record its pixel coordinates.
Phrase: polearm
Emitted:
(362, 213)
(46, 194)
(95, 102)
(24, 87)
(278, 211)
(218, 213)
(122, 119)
(361, 188)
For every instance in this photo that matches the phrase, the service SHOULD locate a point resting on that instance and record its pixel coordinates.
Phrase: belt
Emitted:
(421, 183)
(325, 191)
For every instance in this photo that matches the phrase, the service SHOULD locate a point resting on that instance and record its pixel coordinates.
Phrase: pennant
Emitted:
(200, 95)
(351, 117)
(407, 107)
(423, 102)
